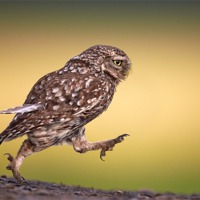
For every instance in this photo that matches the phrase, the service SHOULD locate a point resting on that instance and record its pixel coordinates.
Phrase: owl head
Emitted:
(106, 60)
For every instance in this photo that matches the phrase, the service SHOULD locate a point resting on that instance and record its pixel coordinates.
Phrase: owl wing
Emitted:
(70, 95)
(57, 98)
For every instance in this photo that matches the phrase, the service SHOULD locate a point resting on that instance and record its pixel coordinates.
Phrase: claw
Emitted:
(12, 167)
(10, 158)
(103, 153)
(121, 137)
(111, 143)
(22, 180)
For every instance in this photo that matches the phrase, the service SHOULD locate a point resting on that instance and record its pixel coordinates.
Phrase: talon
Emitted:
(8, 167)
(12, 167)
(103, 153)
(121, 137)
(110, 144)
(23, 180)
(10, 158)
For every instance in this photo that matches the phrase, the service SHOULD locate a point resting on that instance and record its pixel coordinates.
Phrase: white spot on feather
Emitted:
(74, 94)
(55, 90)
(49, 78)
(89, 101)
(62, 119)
(62, 82)
(49, 97)
(56, 107)
(71, 67)
(58, 94)
(94, 99)
(61, 98)
(87, 84)
(76, 57)
(60, 72)
(80, 102)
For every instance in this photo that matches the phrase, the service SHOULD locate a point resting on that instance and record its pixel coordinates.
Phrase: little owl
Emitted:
(62, 102)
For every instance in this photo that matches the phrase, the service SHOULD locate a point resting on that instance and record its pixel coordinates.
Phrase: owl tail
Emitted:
(17, 110)
(22, 109)
(9, 134)
(2, 138)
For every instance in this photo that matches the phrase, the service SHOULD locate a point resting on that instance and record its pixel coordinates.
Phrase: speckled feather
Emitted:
(63, 101)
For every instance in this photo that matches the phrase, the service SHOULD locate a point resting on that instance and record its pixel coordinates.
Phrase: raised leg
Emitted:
(15, 163)
(81, 145)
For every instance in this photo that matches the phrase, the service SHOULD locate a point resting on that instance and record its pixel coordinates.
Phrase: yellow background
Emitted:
(158, 104)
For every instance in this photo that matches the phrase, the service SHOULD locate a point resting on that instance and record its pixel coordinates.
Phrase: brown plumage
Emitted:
(62, 102)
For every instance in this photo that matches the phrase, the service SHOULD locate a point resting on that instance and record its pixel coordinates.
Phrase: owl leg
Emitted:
(81, 145)
(15, 163)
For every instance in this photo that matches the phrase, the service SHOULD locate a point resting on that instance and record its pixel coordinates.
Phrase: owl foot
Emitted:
(81, 145)
(13, 167)
(109, 144)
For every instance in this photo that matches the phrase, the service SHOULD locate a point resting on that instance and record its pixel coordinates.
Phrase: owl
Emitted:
(62, 102)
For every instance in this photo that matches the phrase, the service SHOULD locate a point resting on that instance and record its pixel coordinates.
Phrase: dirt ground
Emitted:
(37, 190)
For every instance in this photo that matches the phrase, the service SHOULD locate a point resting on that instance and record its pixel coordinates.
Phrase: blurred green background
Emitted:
(158, 104)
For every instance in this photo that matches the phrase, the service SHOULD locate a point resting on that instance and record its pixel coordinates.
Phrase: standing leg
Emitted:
(26, 149)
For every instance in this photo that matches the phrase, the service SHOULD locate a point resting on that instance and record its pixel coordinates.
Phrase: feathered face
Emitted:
(109, 60)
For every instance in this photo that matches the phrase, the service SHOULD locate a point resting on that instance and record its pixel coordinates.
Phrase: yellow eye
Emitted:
(117, 62)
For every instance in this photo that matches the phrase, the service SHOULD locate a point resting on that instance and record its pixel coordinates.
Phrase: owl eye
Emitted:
(117, 62)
